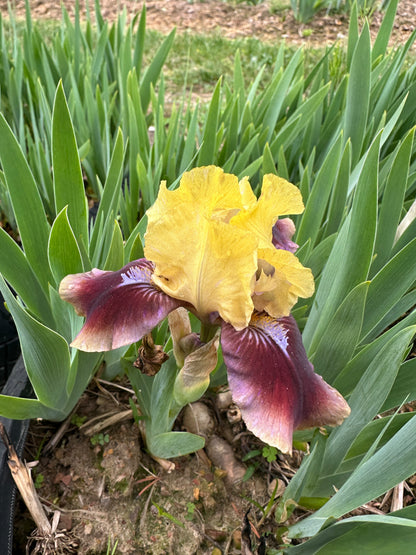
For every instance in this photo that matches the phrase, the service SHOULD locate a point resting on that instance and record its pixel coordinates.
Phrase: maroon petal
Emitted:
(120, 306)
(273, 382)
(283, 231)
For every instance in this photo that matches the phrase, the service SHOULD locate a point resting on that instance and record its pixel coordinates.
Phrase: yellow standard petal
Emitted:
(281, 280)
(284, 195)
(215, 193)
(278, 198)
(198, 257)
(248, 198)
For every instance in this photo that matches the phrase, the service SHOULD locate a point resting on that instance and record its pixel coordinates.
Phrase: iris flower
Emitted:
(215, 249)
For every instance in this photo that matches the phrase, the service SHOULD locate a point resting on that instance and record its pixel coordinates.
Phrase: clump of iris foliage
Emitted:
(305, 10)
(75, 118)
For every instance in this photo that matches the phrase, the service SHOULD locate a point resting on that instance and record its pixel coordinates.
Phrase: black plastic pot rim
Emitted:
(17, 385)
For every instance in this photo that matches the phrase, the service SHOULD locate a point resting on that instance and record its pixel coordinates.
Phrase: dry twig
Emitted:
(47, 538)
(56, 438)
(105, 421)
(397, 499)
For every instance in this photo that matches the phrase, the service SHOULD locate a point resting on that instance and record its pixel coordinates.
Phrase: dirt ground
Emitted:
(105, 486)
(233, 19)
(107, 489)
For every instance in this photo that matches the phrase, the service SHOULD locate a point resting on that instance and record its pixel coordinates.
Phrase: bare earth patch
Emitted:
(109, 491)
(238, 20)
(106, 487)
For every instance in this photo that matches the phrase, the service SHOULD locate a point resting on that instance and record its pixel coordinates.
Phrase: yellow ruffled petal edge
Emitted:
(210, 190)
(281, 281)
(284, 197)
(278, 198)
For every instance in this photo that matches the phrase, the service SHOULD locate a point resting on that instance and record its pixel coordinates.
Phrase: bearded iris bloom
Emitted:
(215, 249)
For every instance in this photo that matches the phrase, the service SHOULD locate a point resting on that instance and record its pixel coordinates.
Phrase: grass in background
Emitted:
(192, 66)
(339, 125)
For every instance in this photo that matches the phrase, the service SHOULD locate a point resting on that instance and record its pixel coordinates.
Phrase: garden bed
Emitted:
(96, 476)
(107, 490)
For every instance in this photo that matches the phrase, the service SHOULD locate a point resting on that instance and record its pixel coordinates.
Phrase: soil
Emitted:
(271, 20)
(106, 487)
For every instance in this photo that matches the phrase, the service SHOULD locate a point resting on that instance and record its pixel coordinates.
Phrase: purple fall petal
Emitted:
(283, 231)
(273, 382)
(120, 306)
